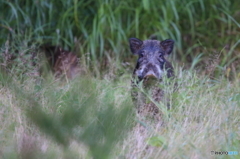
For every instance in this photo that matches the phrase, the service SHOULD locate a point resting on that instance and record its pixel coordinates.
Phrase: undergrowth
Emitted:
(95, 29)
(94, 118)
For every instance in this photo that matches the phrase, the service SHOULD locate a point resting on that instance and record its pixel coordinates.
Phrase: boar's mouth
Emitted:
(150, 79)
(152, 76)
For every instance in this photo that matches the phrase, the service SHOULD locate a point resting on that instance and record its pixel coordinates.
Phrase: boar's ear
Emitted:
(167, 45)
(135, 45)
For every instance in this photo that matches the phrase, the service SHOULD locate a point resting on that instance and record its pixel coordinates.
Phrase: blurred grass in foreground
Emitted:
(82, 111)
(92, 118)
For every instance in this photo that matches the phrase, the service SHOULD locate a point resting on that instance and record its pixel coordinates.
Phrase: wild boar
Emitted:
(62, 62)
(149, 71)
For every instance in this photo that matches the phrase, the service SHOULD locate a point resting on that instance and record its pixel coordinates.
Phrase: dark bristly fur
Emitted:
(150, 66)
(62, 62)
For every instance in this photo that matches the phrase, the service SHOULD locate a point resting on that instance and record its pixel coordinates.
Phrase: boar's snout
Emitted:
(149, 70)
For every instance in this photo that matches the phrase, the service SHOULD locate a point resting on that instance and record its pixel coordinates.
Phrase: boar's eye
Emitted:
(161, 55)
(141, 53)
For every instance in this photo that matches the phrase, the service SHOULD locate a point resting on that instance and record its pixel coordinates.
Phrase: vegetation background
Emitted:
(92, 116)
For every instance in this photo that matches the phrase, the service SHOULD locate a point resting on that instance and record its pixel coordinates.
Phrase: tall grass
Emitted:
(97, 122)
(90, 117)
(105, 25)
(202, 119)
(95, 118)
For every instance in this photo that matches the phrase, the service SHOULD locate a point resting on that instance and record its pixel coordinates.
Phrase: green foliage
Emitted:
(157, 141)
(20, 57)
(89, 116)
(105, 25)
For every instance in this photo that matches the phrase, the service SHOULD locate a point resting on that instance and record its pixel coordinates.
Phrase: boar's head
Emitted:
(151, 58)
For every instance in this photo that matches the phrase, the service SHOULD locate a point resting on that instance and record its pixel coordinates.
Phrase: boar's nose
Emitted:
(151, 74)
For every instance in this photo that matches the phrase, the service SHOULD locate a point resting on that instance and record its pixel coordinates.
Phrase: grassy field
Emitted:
(92, 116)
